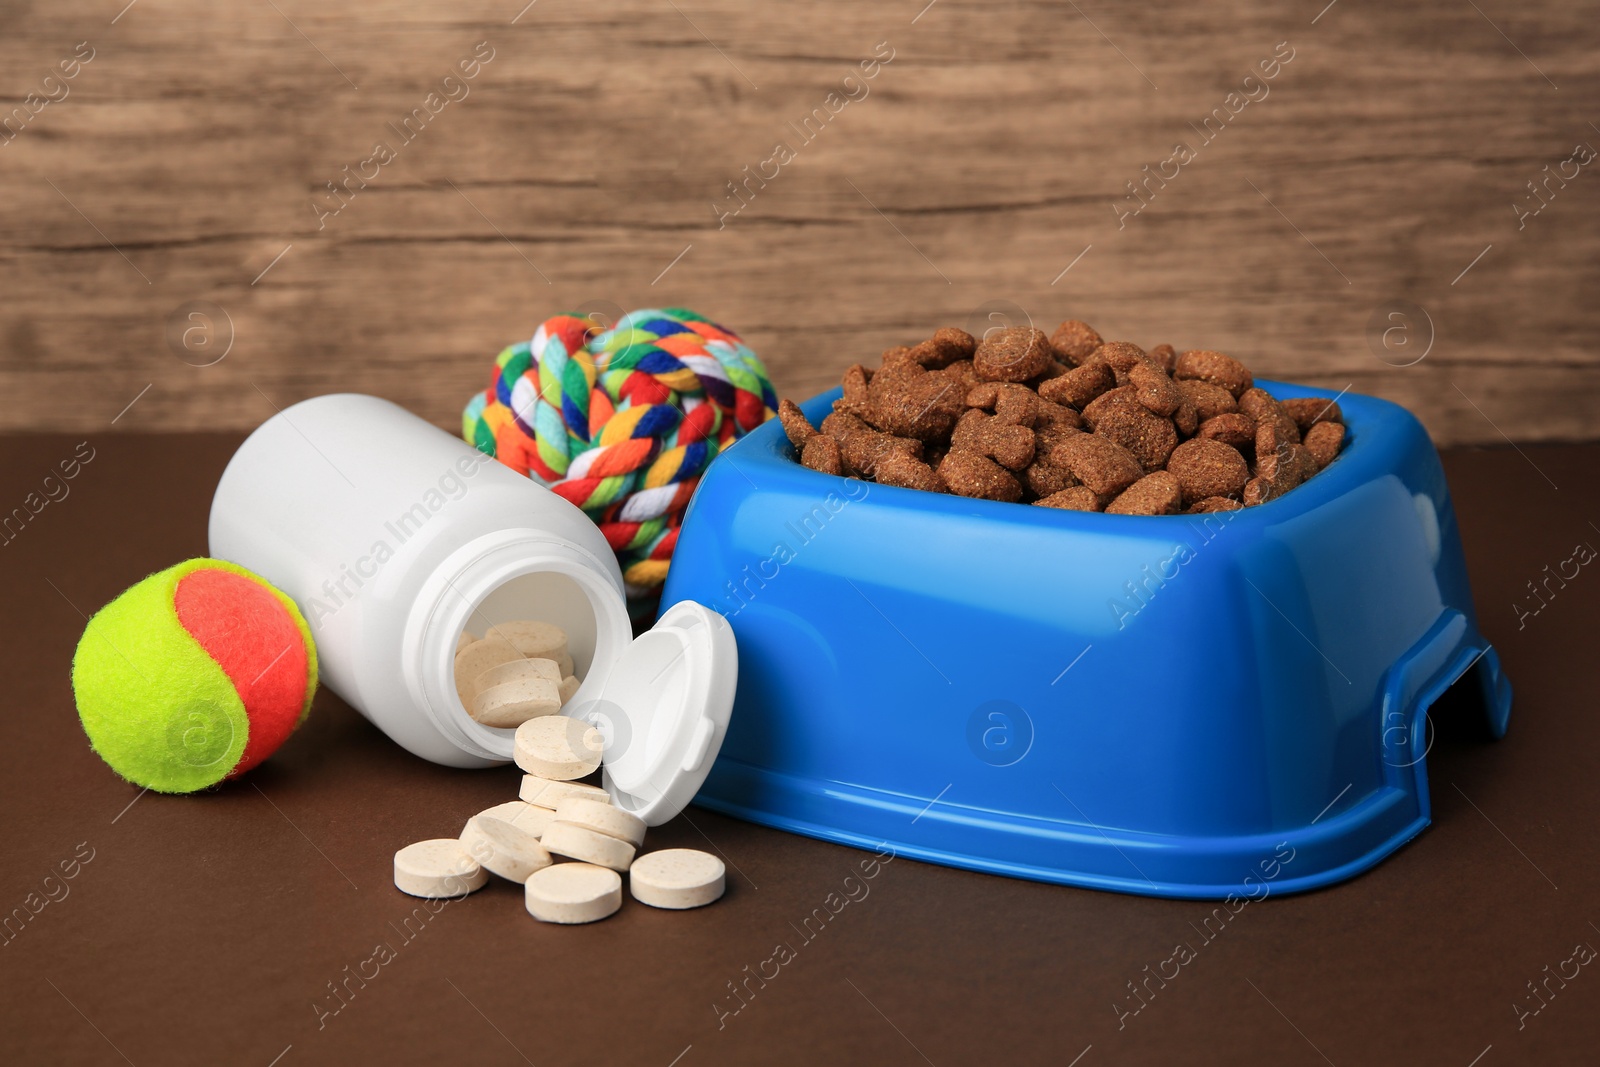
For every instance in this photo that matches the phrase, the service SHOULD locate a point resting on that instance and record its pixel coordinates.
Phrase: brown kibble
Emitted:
(899, 354)
(962, 373)
(1123, 356)
(1213, 367)
(1206, 468)
(857, 398)
(795, 424)
(1047, 413)
(1213, 503)
(842, 425)
(1014, 404)
(1263, 407)
(1257, 491)
(969, 474)
(1209, 400)
(1013, 354)
(1186, 418)
(963, 342)
(1077, 498)
(925, 405)
(1009, 445)
(1044, 478)
(1164, 356)
(1154, 494)
(1119, 399)
(1055, 370)
(1098, 462)
(1154, 389)
(1047, 436)
(1080, 385)
(935, 354)
(1322, 440)
(821, 453)
(1234, 428)
(1149, 437)
(900, 469)
(1307, 411)
(1074, 342)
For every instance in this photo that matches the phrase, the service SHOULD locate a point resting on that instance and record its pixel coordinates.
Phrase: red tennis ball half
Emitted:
(193, 676)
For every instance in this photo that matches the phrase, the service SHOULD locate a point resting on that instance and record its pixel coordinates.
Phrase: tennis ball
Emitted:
(194, 675)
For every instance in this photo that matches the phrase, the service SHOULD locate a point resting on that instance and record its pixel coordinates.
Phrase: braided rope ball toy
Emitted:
(623, 421)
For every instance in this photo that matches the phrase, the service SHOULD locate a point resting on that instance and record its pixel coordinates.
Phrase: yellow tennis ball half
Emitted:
(194, 675)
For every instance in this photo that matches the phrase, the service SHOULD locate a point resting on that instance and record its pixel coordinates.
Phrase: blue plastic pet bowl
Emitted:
(1182, 706)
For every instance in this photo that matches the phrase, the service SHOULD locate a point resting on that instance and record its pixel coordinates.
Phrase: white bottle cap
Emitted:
(663, 708)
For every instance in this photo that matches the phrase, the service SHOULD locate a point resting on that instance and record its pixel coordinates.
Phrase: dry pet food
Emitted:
(1068, 421)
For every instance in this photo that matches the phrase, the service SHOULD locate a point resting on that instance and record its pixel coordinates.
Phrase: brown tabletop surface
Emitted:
(213, 928)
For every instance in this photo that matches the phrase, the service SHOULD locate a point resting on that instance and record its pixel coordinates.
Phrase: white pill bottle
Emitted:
(394, 537)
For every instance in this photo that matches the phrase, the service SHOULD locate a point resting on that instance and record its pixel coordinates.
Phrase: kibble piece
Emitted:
(822, 454)
(1153, 389)
(605, 819)
(1206, 468)
(1323, 440)
(1209, 400)
(961, 372)
(796, 425)
(573, 893)
(575, 842)
(1164, 356)
(1080, 385)
(1120, 399)
(1078, 498)
(1264, 408)
(1157, 493)
(1012, 404)
(1121, 356)
(1149, 437)
(899, 354)
(1213, 367)
(1013, 354)
(1010, 446)
(1186, 418)
(1257, 491)
(1235, 428)
(677, 878)
(1044, 478)
(558, 747)
(925, 406)
(969, 474)
(504, 848)
(1101, 464)
(1214, 503)
(547, 793)
(1307, 411)
(963, 342)
(861, 451)
(513, 703)
(906, 472)
(1050, 414)
(1075, 341)
(437, 869)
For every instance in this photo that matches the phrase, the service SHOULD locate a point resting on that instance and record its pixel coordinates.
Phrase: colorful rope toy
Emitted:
(622, 422)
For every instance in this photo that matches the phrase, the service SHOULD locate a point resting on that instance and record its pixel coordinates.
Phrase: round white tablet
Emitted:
(534, 638)
(677, 878)
(523, 816)
(573, 893)
(515, 702)
(558, 747)
(504, 848)
(564, 839)
(518, 669)
(478, 657)
(544, 793)
(439, 868)
(568, 689)
(602, 819)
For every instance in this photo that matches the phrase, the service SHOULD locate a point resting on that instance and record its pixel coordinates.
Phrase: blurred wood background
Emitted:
(972, 180)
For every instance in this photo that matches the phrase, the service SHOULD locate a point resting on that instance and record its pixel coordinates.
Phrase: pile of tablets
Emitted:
(558, 816)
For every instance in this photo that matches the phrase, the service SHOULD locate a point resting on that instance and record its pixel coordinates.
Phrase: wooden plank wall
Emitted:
(586, 164)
